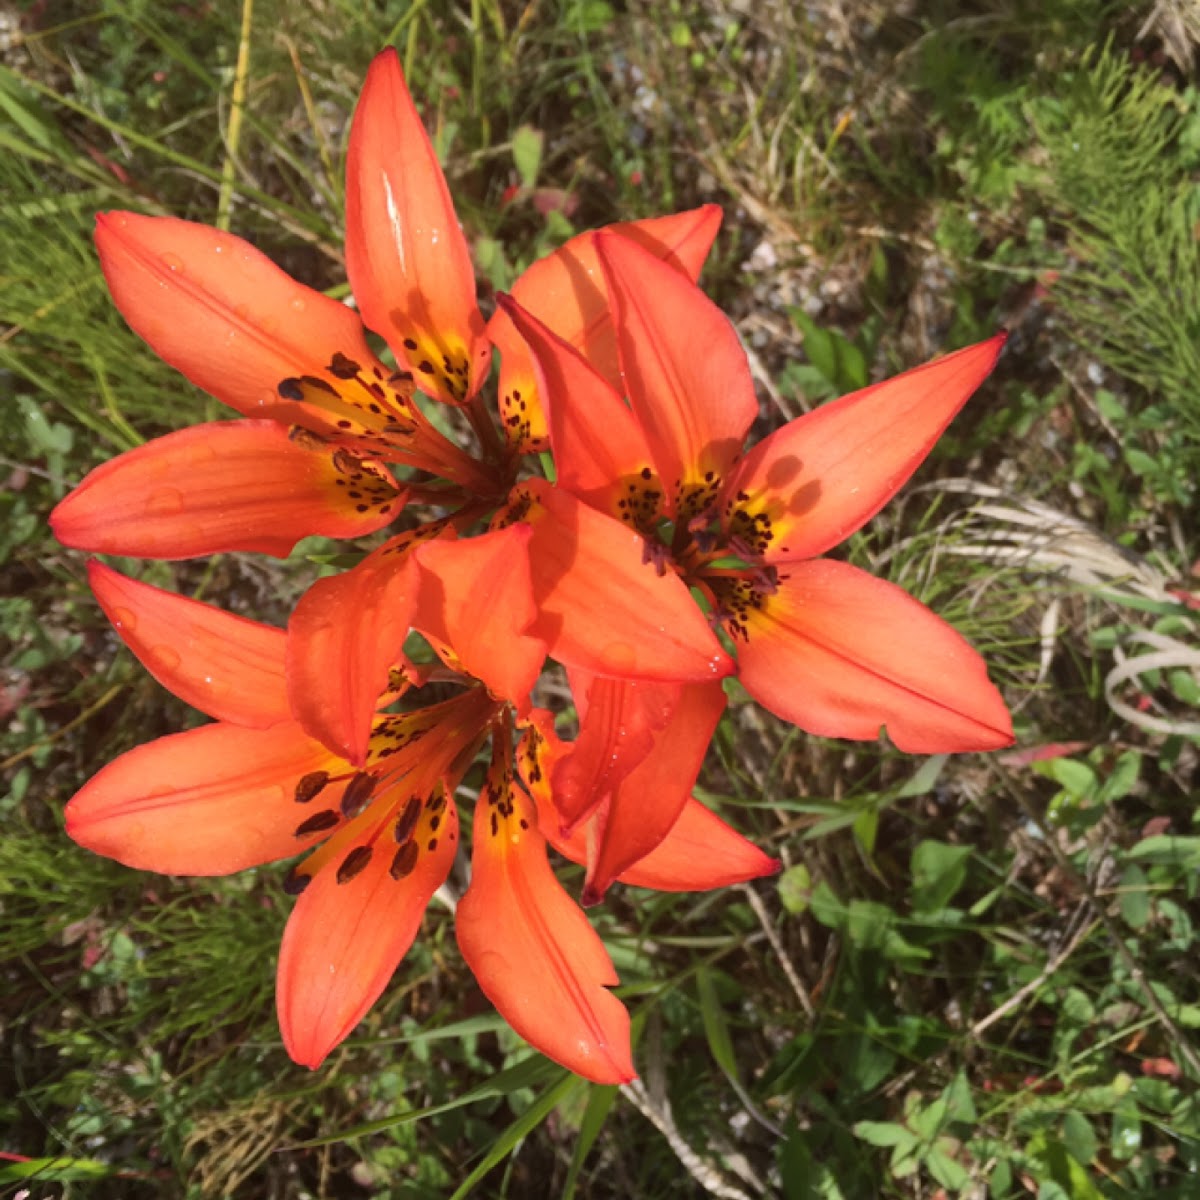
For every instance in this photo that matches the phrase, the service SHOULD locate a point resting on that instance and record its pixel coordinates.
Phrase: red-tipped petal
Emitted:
(824, 475)
(601, 606)
(645, 806)
(218, 310)
(351, 928)
(222, 664)
(536, 957)
(406, 256)
(699, 853)
(476, 598)
(842, 654)
(210, 801)
(685, 373)
(231, 485)
(566, 291)
(619, 724)
(600, 453)
(344, 637)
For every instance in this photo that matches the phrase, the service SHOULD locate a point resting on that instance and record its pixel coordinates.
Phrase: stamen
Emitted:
(318, 823)
(310, 786)
(358, 793)
(405, 861)
(406, 822)
(295, 881)
(354, 864)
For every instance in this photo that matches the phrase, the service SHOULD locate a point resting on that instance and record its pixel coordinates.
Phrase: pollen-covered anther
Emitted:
(295, 881)
(358, 793)
(406, 822)
(354, 864)
(405, 860)
(750, 534)
(318, 823)
(309, 786)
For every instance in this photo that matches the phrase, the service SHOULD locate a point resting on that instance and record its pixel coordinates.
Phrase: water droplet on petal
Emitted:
(165, 502)
(124, 619)
(298, 304)
(172, 262)
(165, 657)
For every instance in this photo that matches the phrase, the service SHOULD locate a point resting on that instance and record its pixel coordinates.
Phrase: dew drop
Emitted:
(619, 657)
(166, 657)
(165, 502)
(124, 619)
(298, 304)
(172, 262)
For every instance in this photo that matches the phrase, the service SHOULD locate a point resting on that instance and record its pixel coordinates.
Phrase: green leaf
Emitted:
(600, 1101)
(1134, 896)
(1121, 779)
(1167, 850)
(1079, 1137)
(1126, 1129)
(886, 1133)
(795, 888)
(716, 1030)
(55, 1170)
(938, 871)
(527, 145)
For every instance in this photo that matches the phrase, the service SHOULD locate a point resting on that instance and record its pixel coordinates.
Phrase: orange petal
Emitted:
(487, 639)
(685, 373)
(812, 483)
(619, 723)
(406, 256)
(566, 291)
(210, 801)
(700, 852)
(222, 664)
(601, 606)
(643, 808)
(842, 654)
(536, 957)
(344, 638)
(600, 454)
(231, 485)
(220, 311)
(352, 926)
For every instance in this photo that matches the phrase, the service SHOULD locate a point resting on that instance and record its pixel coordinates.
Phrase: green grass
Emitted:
(975, 974)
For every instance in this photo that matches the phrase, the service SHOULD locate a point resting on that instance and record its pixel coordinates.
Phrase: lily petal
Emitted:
(210, 801)
(643, 809)
(685, 372)
(230, 485)
(220, 311)
(345, 637)
(566, 291)
(535, 955)
(701, 852)
(619, 724)
(487, 639)
(811, 484)
(601, 606)
(222, 664)
(600, 453)
(351, 928)
(841, 654)
(406, 256)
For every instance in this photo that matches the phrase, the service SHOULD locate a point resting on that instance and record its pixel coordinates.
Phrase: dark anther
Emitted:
(295, 881)
(343, 367)
(290, 389)
(318, 823)
(358, 792)
(354, 863)
(406, 822)
(310, 786)
(405, 861)
(322, 385)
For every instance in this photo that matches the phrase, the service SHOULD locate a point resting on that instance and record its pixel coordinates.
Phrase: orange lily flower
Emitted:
(287, 357)
(818, 642)
(257, 786)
